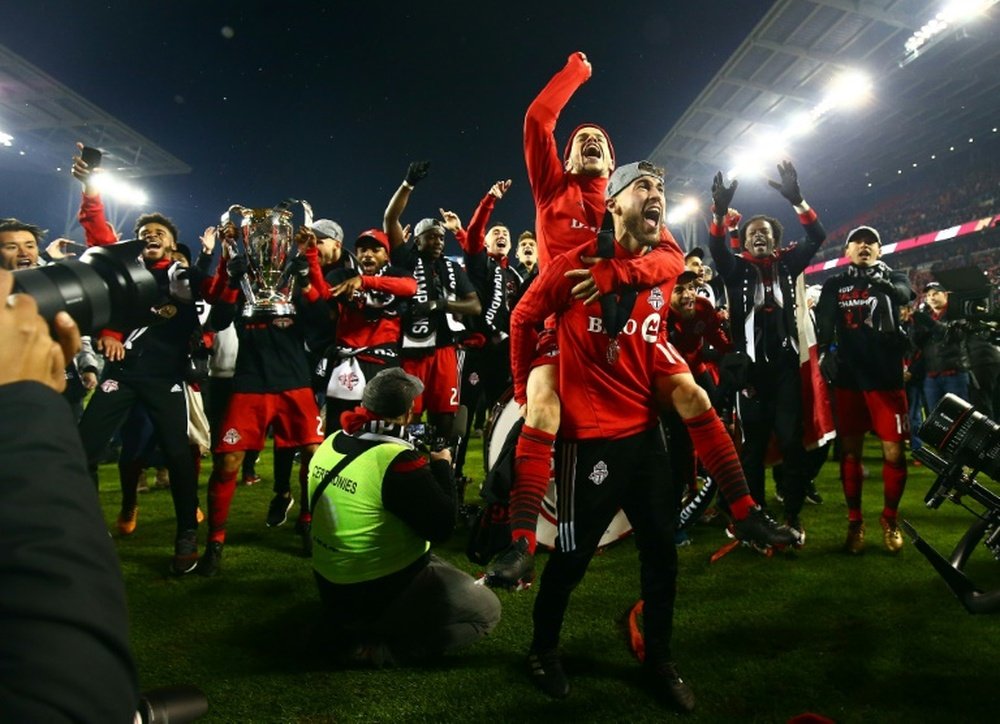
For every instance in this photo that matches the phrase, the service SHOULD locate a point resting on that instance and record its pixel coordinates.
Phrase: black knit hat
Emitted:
(390, 393)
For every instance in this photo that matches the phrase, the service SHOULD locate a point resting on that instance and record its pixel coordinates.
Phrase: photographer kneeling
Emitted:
(377, 506)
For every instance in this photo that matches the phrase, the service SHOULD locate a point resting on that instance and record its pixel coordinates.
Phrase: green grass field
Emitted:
(873, 638)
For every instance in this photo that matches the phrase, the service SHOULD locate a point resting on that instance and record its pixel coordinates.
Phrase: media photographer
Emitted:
(64, 629)
(388, 597)
(940, 340)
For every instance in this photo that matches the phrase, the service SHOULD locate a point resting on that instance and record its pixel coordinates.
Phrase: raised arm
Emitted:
(797, 258)
(545, 166)
(391, 225)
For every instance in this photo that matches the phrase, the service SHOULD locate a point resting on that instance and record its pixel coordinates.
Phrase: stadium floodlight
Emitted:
(6, 139)
(954, 14)
(800, 124)
(682, 211)
(110, 185)
(848, 88)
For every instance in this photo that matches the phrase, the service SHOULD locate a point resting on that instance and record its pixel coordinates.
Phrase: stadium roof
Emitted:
(918, 106)
(46, 119)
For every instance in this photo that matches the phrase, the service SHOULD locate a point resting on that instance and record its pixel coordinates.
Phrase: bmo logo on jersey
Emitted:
(649, 328)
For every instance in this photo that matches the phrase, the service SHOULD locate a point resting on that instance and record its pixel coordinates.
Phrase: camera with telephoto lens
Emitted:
(970, 301)
(108, 286)
(967, 443)
(171, 705)
(426, 438)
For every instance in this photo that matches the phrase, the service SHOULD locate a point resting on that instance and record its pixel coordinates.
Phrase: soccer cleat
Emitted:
(251, 479)
(779, 491)
(891, 536)
(812, 495)
(548, 674)
(199, 515)
(760, 530)
(127, 519)
(210, 562)
(185, 553)
(668, 685)
(513, 568)
(277, 511)
(855, 542)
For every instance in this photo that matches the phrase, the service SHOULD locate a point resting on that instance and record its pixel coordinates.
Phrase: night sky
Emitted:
(330, 101)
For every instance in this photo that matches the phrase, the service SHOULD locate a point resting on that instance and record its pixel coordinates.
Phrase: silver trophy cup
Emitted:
(269, 241)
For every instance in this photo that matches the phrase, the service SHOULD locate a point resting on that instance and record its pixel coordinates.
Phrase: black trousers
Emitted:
(167, 407)
(594, 479)
(775, 408)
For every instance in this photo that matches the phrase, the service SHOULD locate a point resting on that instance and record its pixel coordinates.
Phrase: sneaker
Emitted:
(812, 495)
(185, 553)
(512, 568)
(277, 511)
(891, 536)
(669, 685)
(127, 519)
(210, 562)
(547, 672)
(779, 491)
(855, 543)
(761, 530)
(795, 525)
(304, 529)
(682, 538)
(251, 479)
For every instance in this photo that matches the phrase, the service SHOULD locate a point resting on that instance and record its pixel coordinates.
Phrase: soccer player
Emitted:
(859, 330)
(613, 447)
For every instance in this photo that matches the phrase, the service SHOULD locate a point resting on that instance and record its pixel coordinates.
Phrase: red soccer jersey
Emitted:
(600, 398)
(689, 336)
(367, 320)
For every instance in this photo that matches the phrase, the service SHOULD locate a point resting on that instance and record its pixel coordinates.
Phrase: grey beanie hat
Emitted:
(390, 393)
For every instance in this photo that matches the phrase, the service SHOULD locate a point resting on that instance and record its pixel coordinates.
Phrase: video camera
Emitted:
(107, 286)
(970, 301)
(967, 443)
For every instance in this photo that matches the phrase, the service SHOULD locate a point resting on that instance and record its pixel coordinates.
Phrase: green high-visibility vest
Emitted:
(355, 538)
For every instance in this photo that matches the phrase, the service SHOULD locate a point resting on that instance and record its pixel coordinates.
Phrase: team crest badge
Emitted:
(348, 380)
(474, 378)
(109, 386)
(283, 322)
(599, 473)
(231, 437)
(656, 298)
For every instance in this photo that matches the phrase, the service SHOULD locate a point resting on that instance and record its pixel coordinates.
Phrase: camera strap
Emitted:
(327, 479)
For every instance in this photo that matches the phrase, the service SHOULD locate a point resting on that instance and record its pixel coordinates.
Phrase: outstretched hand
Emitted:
(789, 184)
(498, 189)
(417, 172)
(451, 221)
(722, 195)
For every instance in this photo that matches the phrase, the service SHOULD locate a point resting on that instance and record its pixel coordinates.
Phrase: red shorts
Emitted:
(293, 414)
(669, 361)
(882, 411)
(547, 349)
(438, 370)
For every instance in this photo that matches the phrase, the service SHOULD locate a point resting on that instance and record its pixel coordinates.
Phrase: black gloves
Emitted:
(722, 195)
(417, 172)
(422, 309)
(828, 366)
(236, 268)
(789, 186)
(298, 268)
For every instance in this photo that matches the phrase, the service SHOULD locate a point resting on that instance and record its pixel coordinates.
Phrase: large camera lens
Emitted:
(964, 435)
(107, 286)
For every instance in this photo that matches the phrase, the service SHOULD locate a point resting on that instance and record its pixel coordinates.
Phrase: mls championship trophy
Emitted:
(268, 240)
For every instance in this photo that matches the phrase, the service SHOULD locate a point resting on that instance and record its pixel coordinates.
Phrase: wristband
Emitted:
(407, 185)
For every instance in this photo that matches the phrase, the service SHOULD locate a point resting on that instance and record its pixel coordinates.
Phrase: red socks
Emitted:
(894, 480)
(221, 487)
(715, 449)
(850, 477)
(532, 470)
